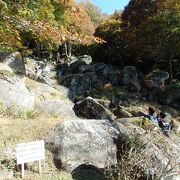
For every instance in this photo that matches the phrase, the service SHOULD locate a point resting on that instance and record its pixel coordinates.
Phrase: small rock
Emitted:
(121, 113)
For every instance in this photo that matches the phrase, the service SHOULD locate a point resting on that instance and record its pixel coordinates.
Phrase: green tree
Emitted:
(152, 31)
(114, 50)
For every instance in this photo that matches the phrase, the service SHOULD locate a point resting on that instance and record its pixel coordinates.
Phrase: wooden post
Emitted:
(39, 165)
(22, 170)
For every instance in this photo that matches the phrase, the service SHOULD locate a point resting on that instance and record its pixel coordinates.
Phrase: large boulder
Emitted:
(15, 62)
(76, 65)
(32, 67)
(136, 111)
(80, 64)
(91, 109)
(54, 101)
(81, 83)
(14, 93)
(77, 142)
(68, 93)
(128, 75)
(62, 70)
(3, 55)
(93, 76)
(107, 73)
(158, 160)
(155, 79)
(105, 103)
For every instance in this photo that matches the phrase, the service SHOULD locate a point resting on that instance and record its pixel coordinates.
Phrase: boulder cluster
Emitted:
(102, 109)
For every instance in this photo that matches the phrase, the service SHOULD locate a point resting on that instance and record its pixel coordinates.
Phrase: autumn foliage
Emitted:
(47, 23)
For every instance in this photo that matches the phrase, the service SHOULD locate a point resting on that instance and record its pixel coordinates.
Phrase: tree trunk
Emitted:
(68, 50)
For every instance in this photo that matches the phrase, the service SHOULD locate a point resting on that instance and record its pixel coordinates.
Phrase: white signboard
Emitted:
(29, 152)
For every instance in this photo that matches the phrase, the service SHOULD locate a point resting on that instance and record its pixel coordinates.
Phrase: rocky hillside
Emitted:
(91, 118)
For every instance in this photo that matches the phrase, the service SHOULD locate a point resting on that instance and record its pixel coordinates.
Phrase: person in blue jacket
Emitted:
(151, 115)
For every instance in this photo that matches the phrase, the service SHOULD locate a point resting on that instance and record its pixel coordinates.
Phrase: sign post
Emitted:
(22, 170)
(29, 152)
(39, 166)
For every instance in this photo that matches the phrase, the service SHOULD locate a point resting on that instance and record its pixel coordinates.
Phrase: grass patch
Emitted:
(28, 128)
(20, 130)
(105, 93)
(13, 113)
(29, 114)
(128, 167)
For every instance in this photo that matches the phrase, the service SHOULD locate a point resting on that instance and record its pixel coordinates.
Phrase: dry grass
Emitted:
(21, 130)
(14, 129)
(138, 155)
(49, 171)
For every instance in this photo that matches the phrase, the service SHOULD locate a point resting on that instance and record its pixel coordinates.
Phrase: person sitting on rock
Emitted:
(151, 115)
(162, 124)
(150, 122)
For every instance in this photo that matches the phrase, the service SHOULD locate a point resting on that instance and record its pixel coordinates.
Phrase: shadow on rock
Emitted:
(88, 172)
